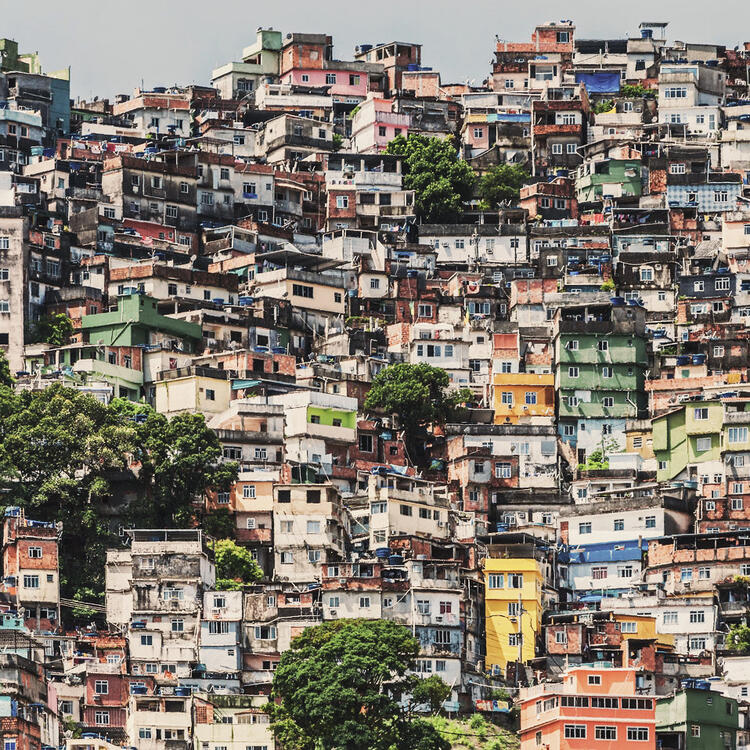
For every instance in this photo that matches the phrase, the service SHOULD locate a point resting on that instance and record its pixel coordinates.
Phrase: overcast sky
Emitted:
(112, 46)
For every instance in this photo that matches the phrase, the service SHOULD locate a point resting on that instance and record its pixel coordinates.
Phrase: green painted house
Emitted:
(699, 432)
(615, 177)
(136, 322)
(694, 719)
(600, 371)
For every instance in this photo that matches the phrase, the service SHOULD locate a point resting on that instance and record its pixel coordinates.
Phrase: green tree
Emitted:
(431, 691)
(339, 685)
(431, 167)
(235, 565)
(501, 183)
(6, 379)
(218, 523)
(418, 395)
(59, 449)
(179, 459)
(55, 329)
(61, 452)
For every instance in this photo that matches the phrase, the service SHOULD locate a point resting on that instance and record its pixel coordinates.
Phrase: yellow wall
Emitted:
(519, 383)
(496, 600)
(189, 394)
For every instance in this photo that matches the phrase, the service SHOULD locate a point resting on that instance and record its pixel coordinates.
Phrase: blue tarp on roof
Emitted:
(600, 82)
(607, 552)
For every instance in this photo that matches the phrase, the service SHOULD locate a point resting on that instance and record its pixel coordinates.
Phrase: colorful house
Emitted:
(513, 609)
(593, 707)
(520, 396)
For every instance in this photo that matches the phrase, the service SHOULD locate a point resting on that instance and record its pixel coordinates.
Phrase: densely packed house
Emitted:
(250, 251)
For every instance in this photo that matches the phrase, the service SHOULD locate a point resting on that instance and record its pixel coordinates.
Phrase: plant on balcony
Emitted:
(607, 286)
(605, 105)
(443, 183)
(738, 638)
(339, 685)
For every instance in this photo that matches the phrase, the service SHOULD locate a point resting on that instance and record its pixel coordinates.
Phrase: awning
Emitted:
(238, 385)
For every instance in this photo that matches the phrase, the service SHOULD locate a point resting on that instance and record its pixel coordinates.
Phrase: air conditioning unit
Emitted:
(333, 613)
(438, 618)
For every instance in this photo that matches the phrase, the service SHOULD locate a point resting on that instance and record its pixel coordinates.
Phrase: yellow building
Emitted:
(643, 627)
(521, 395)
(512, 590)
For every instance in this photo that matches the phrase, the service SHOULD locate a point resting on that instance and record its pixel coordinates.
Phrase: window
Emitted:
(599, 573)
(287, 558)
(364, 602)
(342, 201)
(515, 580)
(178, 625)
(629, 627)
(608, 401)
(650, 522)
(496, 581)
(561, 636)
(330, 78)
(584, 528)
(313, 555)
(619, 524)
(478, 132)
(515, 639)
(557, 148)
(738, 434)
(695, 730)
(424, 311)
(700, 415)
(575, 731)
(101, 718)
(563, 37)
(171, 212)
(406, 510)
(503, 471)
(300, 290)
(669, 618)
(31, 582)
(703, 444)
(572, 372)
(35, 552)
(507, 398)
(737, 503)
(639, 734)
(570, 148)
(686, 574)
(530, 398)
(101, 687)
(625, 571)
(647, 274)
(605, 733)
(594, 679)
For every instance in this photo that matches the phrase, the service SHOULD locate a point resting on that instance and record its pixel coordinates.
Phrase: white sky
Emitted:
(111, 45)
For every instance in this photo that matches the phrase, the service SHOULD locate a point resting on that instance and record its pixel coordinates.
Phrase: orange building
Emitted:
(519, 396)
(591, 707)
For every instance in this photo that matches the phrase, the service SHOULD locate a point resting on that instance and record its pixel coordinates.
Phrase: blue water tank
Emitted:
(382, 552)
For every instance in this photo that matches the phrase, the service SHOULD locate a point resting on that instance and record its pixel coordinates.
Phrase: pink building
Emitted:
(341, 82)
(376, 124)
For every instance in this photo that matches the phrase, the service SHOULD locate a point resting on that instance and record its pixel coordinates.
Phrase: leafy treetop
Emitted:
(431, 167)
(339, 685)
